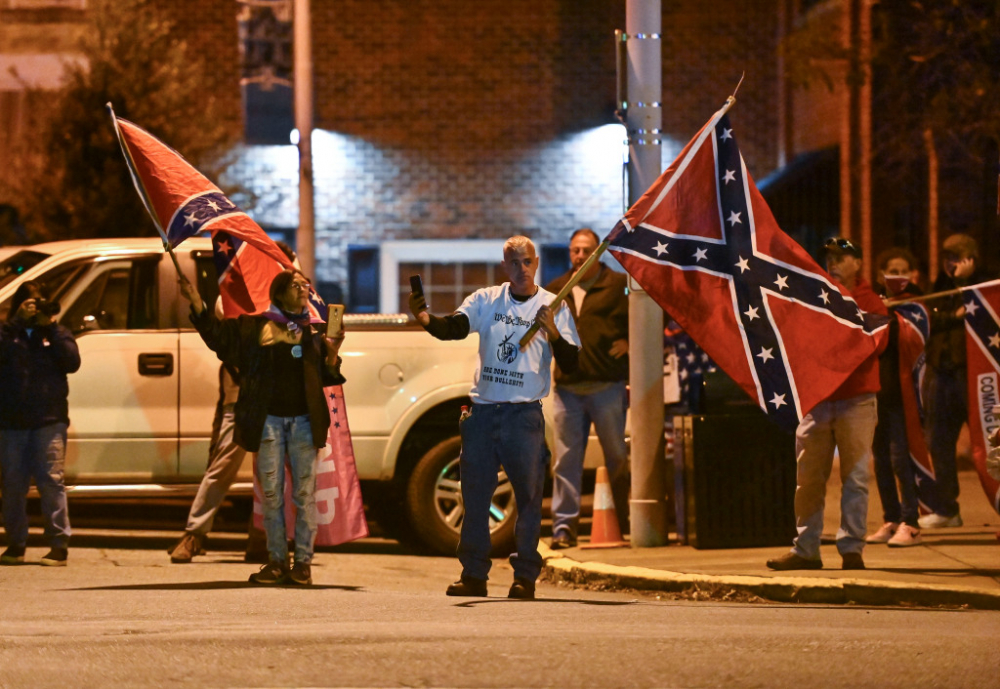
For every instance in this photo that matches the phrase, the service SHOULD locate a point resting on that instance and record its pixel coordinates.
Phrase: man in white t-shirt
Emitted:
(505, 427)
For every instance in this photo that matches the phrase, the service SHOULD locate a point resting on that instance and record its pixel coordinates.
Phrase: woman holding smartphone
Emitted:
(284, 363)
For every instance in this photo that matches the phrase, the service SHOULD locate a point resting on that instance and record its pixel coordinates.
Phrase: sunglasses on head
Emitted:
(840, 243)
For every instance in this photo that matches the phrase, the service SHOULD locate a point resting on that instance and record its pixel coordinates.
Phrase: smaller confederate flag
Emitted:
(703, 244)
(982, 348)
(914, 329)
(183, 202)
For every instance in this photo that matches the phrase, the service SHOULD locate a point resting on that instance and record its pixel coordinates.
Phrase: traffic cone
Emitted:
(604, 531)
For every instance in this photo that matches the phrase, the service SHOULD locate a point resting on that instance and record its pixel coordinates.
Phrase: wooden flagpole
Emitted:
(564, 292)
(945, 293)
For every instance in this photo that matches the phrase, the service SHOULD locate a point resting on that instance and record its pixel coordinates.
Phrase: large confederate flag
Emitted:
(704, 245)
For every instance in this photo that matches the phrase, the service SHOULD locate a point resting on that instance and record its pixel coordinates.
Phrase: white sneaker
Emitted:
(939, 521)
(885, 532)
(905, 536)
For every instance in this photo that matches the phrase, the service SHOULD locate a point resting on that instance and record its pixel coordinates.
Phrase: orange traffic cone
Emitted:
(604, 531)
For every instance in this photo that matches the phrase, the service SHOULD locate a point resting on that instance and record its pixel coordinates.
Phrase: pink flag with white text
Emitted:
(340, 514)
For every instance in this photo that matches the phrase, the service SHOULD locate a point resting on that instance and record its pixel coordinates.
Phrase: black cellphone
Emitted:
(416, 286)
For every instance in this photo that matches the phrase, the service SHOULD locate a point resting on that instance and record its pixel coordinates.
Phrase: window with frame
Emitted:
(446, 285)
(117, 295)
(450, 270)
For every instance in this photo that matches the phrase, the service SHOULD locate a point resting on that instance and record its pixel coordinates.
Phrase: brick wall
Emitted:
(452, 118)
(441, 122)
(209, 28)
(706, 47)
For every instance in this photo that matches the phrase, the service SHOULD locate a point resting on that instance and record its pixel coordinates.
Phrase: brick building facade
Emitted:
(452, 120)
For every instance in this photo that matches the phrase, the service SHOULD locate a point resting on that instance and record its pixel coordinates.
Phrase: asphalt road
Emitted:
(122, 615)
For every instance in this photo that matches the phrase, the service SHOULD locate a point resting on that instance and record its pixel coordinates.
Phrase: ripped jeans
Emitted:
(291, 437)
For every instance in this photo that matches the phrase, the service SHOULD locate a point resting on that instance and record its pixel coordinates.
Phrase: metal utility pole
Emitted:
(305, 236)
(644, 120)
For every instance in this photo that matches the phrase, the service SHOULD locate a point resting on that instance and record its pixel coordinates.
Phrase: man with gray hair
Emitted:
(505, 428)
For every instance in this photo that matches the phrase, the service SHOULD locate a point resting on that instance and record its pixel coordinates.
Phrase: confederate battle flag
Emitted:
(703, 244)
(914, 329)
(183, 203)
(982, 348)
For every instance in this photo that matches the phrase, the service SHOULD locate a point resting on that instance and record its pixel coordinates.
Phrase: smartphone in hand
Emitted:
(416, 286)
(335, 320)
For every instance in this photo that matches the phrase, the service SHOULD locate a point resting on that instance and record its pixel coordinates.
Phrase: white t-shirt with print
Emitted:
(505, 373)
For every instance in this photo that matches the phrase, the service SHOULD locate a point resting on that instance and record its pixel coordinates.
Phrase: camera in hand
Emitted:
(47, 308)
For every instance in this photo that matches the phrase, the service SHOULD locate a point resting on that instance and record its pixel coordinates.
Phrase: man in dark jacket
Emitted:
(947, 401)
(36, 354)
(284, 364)
(594, 393)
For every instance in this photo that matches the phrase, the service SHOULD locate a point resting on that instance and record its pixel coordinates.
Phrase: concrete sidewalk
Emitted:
(954, 567)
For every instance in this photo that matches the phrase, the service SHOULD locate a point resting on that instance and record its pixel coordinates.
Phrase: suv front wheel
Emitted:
(435, 507)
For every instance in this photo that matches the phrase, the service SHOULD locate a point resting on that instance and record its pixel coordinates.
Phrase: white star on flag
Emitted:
(726, 134)
(734, 218)
(782, 282)
(778, 400)
(730, 176)
(751, 313)
(214, 206)
(660, 248)
(765, 354)
(995, 341)
(744, 265)
(972, 307)
(700, 254)
(825, 296)
(190, 219)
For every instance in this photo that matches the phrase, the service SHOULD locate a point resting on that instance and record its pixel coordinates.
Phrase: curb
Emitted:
(779, 589)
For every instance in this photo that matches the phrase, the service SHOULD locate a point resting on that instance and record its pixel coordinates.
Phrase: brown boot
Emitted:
(186, 548)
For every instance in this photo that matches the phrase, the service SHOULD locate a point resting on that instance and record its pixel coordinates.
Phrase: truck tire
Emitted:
(435, 508)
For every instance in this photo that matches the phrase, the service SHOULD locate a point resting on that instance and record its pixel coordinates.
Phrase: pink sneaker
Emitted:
(885, 532)
(905, 536)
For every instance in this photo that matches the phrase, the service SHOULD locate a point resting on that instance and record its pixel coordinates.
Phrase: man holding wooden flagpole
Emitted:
(505, 428)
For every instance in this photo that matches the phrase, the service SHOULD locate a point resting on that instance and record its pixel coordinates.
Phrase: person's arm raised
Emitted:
(453, 327)
(190, 292)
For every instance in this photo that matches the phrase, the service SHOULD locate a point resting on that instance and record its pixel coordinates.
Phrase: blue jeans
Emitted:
(848, 427)
(40, 454)
(573, 414)
(291, 437)
(947, 411)
(893, 464)
(509, 436)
